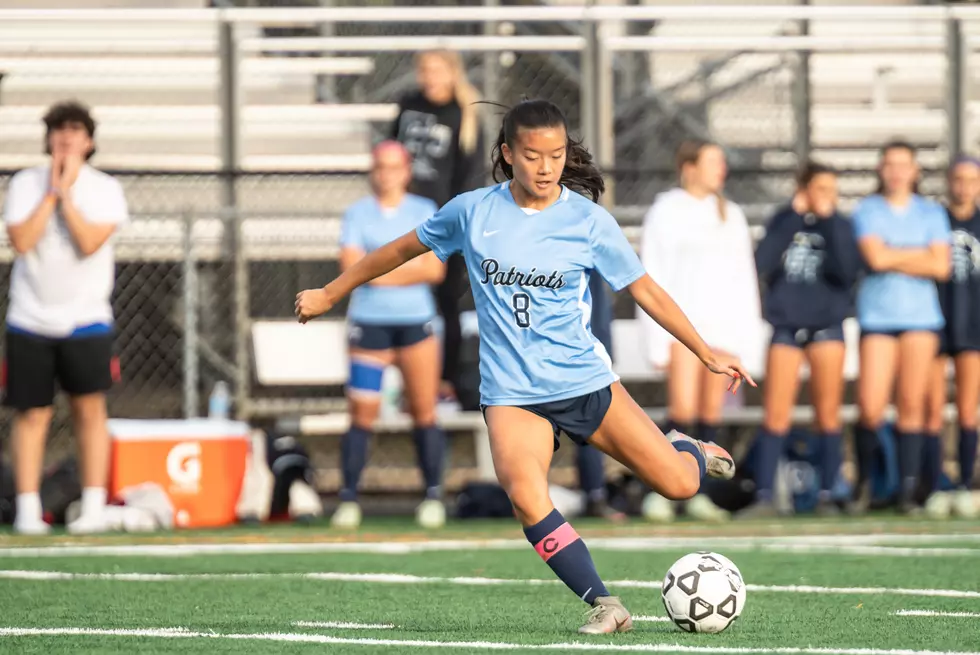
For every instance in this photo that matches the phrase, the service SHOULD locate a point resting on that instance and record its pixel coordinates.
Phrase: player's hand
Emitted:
(801, 204)
(57, 164)
(730, 366)
(823, 207)
(69, 171)
(312, 303)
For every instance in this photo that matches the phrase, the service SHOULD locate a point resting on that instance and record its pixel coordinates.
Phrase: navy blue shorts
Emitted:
(578, 417)
(803, 337)
(895, 334)
(387, 337)
(951, 347)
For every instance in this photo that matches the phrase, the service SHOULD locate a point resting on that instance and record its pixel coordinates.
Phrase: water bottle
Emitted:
(391, 392)
(220, 401)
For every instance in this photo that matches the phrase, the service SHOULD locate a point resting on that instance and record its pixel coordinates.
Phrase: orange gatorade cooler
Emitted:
(199, 463)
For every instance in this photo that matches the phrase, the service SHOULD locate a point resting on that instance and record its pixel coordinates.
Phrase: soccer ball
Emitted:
(704, 592)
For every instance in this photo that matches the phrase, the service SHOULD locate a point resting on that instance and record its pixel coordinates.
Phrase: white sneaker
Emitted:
(88, 524)
(700, 507)
(431, 514)
(964, 505)
(657, 509)
(938, 505)
(35, 528)
(347, 516)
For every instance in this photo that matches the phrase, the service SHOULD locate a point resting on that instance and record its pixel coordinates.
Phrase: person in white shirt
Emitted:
(59, 219)
(696, 245)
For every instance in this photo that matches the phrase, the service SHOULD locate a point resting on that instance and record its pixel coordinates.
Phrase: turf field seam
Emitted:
(872, 545)
(343, 625)
(180, 633)
(402, 578)
(956, 615)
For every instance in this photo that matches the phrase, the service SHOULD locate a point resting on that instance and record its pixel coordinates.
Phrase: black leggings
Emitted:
(448, 296)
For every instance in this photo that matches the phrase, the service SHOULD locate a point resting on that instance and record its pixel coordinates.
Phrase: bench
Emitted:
(181, 67)
(286, 353)
(289, 354)
(168, 123)
(180, 163)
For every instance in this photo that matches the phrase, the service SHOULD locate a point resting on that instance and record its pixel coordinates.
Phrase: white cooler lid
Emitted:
(167, 429)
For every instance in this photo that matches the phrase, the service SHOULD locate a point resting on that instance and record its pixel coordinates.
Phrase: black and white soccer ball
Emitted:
(704, 592)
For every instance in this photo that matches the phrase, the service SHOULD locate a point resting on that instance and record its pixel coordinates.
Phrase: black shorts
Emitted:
(952, 347)
(578, 417)
(388, 337)
(803, 337)
(34, 364)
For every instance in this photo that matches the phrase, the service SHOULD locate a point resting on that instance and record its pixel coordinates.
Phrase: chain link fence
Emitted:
(183, 304)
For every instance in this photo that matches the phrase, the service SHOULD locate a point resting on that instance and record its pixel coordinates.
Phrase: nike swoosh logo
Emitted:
(586, 593)
(489, 234)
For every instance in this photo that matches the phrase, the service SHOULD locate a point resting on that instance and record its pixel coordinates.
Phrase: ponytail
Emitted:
(580, 173)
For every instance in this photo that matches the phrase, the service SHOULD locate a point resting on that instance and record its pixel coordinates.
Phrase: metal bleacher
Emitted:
(155, 89)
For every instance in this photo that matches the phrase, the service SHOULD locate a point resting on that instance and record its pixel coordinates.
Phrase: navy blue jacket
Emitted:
(808, 266)
(960, 296)
(602, 312)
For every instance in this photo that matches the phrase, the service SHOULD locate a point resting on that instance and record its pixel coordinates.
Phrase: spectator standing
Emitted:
(904, 241)
(960, 340)
(391, 323)
(591, 473)
(808, 261)
(59, 218)
(440, 126)
(697, 246)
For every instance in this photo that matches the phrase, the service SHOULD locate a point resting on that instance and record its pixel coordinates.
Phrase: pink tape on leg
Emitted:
(553, 544)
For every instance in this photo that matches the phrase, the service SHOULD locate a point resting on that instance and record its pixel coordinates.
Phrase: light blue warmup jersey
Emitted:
(530, 280)
(368, 226)
(895, 301)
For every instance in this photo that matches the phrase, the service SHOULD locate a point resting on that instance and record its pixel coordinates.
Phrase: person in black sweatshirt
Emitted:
(808, 262)
(439, 125)
(959, 298)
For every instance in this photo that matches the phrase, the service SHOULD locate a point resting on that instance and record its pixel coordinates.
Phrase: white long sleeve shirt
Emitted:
(707, 265)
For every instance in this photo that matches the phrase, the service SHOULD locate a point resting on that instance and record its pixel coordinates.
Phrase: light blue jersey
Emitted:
(895, 301)
(368, 226)
(530, 280)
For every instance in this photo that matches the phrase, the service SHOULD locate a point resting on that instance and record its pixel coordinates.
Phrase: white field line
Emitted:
(651, 619)
(829, 544)
(400, 578)
(468, 645)
(956, 615)
(343, 625)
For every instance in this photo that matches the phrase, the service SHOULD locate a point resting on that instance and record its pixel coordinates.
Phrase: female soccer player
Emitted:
(960, 300)
(440, 126)
(904, 240)
(690, 233)
(809, 262)
(531, 244)
(391, 324)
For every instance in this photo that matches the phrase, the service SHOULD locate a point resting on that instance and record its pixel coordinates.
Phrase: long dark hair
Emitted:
(896, 144)
(579, 174)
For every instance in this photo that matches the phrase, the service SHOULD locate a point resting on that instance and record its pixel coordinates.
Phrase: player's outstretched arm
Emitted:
(314, 302)
(659, 306)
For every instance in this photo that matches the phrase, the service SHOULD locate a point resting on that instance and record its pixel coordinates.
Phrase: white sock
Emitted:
(29, 508)
(93, 500)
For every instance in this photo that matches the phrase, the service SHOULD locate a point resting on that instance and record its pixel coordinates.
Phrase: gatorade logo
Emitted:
(550, 545)
(184, 465)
